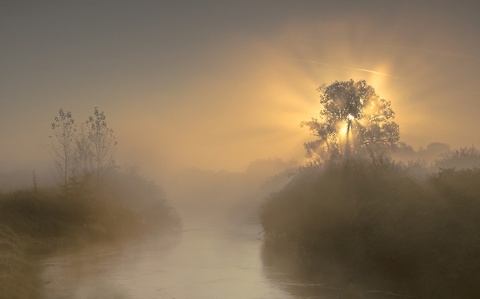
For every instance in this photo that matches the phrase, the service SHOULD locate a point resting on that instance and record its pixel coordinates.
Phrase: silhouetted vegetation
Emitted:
(462, 158)
(355, 215)
(380, 226)
(354, 121)
(87, 150)
(33, 224)
(94, 203)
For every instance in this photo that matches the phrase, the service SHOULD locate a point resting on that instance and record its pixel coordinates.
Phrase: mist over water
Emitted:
(217, 253)
(202, 99)
(205, 261)
(210, 258)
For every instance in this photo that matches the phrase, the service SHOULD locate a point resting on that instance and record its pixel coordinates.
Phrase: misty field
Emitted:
(36, 223)
(379, 223)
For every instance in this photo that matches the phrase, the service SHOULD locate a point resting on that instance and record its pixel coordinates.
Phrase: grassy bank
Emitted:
(382, 226)
(33, 224)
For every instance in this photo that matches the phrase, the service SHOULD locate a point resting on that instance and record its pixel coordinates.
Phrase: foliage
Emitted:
(35, 223)
(353, 121)
(465, 157)
(370, 217)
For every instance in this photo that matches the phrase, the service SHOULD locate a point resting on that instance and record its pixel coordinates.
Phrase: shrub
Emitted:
(372, 218)
(465, 157)
(34, 223)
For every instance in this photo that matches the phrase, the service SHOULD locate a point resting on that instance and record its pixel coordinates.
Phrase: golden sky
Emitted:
(218, 84)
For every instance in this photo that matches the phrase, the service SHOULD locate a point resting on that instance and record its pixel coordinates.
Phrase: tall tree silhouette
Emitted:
(353, 119)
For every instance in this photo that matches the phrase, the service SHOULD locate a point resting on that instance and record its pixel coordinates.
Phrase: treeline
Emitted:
(379, 225)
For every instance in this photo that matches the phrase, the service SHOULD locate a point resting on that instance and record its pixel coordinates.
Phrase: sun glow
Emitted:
(343, 128)
(343, 131)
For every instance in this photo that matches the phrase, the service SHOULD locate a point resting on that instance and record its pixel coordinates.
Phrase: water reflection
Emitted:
(204, 261)
(324, 280)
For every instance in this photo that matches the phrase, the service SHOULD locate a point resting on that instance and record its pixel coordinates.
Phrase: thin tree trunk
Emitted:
(347, 150)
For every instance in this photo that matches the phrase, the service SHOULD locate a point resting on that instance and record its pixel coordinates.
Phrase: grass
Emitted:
(35, 224)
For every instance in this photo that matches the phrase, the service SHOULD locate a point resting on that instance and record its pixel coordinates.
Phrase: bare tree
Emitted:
(101, 142)
(61, 145)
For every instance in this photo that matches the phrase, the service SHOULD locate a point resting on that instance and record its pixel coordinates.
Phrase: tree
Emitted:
(353, 120)
(61, 144)
(99, 143)
(83, 152)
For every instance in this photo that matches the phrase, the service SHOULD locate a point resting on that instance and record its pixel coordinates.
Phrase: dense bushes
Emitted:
(372, 218)
(32, 223)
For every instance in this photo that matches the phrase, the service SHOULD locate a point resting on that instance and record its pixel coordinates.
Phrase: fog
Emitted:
(206, 100)
(181, 90)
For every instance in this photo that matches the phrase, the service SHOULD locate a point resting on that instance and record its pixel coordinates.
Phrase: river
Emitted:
(204, 261)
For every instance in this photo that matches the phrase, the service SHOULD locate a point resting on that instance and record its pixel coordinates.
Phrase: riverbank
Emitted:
(36, 223)
(372, 222)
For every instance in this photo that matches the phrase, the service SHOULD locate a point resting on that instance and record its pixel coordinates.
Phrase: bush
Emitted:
(37, 223)
(463, 158)
(372, 218)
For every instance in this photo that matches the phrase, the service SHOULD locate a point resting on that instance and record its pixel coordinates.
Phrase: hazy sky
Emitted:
(216, 84)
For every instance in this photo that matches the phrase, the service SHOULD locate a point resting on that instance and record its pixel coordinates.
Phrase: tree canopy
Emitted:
(353, 120)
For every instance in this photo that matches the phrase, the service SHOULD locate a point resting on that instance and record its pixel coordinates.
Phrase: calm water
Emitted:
(204, 261)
